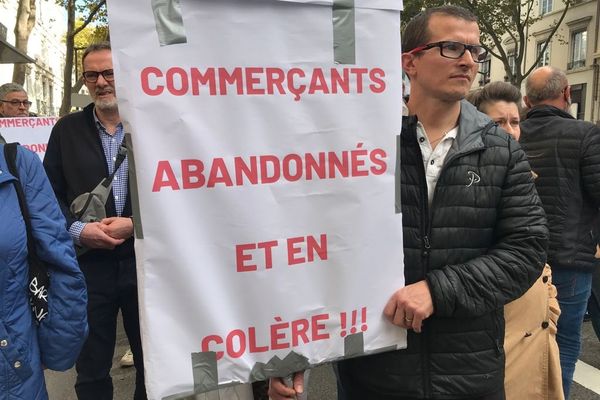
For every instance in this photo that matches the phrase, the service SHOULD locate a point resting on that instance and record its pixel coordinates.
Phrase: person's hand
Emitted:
(118, 227)
(278, 390)
(93, 236)
(409, 306)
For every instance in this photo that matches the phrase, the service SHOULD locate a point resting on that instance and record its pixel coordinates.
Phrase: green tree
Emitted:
(87, 11)
(499, 20)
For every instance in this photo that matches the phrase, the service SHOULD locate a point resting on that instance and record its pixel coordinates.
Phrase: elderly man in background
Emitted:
(14, 101)
(565, 154)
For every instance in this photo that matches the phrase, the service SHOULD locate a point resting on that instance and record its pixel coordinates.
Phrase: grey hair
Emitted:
(549, 89)
(105, 45)
(9, 88)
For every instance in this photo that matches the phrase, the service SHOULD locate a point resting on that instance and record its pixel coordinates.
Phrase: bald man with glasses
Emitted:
(14, 101)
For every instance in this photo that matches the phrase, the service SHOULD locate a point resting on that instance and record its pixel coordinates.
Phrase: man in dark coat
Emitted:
(474, 230)
(81, 152)
(565, 154)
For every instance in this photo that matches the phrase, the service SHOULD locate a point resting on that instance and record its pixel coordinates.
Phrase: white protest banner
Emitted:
(264, 135)
(31, 132)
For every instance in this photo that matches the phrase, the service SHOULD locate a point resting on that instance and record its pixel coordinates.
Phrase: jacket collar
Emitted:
(544, 110)
(471, 126)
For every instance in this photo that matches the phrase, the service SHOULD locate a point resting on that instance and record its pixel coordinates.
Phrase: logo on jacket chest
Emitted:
(472, 178)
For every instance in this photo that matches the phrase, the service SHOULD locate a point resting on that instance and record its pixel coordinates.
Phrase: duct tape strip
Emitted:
(133, 192)
(397, 177)
(354, 345)
(344, 39)
(276, 367)
(204, 369)
(169, 22)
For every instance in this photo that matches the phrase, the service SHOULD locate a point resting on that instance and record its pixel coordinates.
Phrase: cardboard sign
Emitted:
(264, 136)
(31, 132)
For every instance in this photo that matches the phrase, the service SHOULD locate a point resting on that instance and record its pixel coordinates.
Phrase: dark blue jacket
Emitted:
(62, 333)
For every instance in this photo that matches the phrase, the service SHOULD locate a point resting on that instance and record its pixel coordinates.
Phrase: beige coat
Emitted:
(532, 359)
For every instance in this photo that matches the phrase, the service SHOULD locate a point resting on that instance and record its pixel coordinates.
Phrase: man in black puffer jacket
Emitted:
(474, 230)
(565, 154)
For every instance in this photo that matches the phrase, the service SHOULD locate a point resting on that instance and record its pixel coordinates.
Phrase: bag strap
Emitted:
(122, 153)
(10, 154)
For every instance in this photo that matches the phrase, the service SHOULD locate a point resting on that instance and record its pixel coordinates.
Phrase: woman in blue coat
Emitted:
(27, 348)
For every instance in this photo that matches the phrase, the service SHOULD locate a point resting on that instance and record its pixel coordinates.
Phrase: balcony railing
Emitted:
(576, 64)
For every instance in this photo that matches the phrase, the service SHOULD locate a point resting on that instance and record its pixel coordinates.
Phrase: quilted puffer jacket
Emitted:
(62, 332)
(481, 244)
(565, 155)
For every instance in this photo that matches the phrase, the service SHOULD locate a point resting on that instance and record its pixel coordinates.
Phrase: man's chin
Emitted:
(106, 105)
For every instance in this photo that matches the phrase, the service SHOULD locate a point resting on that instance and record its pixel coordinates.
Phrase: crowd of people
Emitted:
(499, 197)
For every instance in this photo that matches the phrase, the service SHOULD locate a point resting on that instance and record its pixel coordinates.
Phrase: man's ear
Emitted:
(567, 94)
(408, 64)
(526, 101)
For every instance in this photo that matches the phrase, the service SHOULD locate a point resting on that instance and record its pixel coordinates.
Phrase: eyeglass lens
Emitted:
(16, 103)
(456, 50)
(92, 76)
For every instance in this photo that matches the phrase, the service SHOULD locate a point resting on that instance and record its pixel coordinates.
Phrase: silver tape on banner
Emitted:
(277, 367)
(133, 192)
(204, 369)
(397, 178)
(344, 39)
(354, 345)
(169, 22)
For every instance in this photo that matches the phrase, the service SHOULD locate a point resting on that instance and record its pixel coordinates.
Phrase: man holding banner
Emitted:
(81, 152)
(474, 231)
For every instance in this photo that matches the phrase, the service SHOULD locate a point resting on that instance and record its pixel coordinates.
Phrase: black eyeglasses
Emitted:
(455, 50)
(92, 76)
(16, 103)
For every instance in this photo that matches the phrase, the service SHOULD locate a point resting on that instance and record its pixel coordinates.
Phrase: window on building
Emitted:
(545, 6)
(578, 50)
(578, 100)
(512, 62)
(545, 58)
(484, 71)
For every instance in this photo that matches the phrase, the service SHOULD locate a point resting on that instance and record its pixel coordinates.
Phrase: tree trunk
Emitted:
(65, 106)
(23, 27)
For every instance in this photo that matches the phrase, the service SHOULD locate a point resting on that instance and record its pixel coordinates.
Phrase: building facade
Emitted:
(574, 48)
(44, 78)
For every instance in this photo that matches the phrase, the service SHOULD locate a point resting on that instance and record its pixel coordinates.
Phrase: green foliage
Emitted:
(84, 8)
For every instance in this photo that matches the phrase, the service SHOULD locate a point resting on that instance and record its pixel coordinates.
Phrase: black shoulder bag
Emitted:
(39, 281)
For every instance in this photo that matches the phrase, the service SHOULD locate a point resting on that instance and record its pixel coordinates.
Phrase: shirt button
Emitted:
(3, 343)
(17, 364)
(432, 162)
(114, 158)
(421, 139)
(545, 324)
(116, 197)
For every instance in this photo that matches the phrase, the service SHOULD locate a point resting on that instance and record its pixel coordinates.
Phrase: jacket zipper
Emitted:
(426, 218)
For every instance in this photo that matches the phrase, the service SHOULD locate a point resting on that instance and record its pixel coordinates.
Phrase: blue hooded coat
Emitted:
(25, 347)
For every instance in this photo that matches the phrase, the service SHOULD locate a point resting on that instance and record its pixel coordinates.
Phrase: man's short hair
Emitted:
(416, 32)
(9, 88)
(493, 92)
(105, 45)
(548, 89)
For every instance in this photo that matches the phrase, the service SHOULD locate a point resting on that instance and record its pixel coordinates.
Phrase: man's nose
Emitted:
(101, 80)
